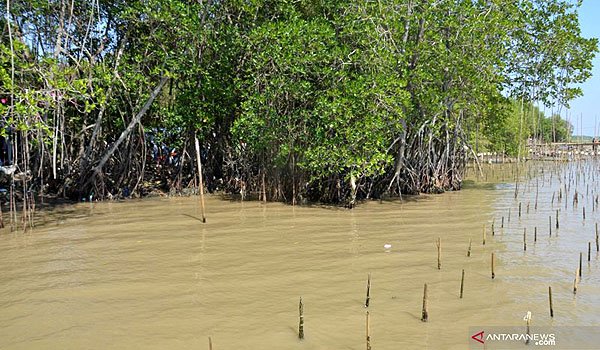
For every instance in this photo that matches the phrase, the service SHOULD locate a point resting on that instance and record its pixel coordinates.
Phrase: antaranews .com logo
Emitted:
(539, 339)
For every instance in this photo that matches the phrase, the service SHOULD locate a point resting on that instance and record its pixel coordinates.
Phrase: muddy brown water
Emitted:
(149, 275)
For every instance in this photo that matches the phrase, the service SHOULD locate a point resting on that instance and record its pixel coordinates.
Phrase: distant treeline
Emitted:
(320, 100)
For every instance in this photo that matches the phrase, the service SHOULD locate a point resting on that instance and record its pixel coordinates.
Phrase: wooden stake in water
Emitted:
(580, 258)
(424, 313)
(589, 251)
(576, 282)
(583, 213)
(524, 239)
(502, 225)
(368, 290)
(368, 331)
(557, 219)
(439, 251)
(301, 324)
(493, 266)
(597, 242)
(484, 229)
(462, 283)
(550, 300)
(535, 234)
(199, 163)
(519, 209)
(209, 343)
(550, 225)
(508, 214)
(469, 251)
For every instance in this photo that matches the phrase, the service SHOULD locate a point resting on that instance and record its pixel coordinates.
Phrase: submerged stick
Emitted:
(519, 209)
(597, 243)
(580, 258)
(535, 234)
(439, 251)
(524, 239)
(368, 331)
(301, 324)
(493, 266)
(556, 218)
(589, 251)
(469, 251)
(583, 213)
(462, 283)
(550, 300)
(502, 225)
(424, 313)
(368, 290)
(484, 229)
(201, 185)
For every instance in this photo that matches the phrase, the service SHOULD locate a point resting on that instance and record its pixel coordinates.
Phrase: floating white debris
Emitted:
(387, 246)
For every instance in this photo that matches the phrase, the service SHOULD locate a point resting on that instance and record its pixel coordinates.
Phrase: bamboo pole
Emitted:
(439, 252)
(368, 326)
(493, 267)
(550, 300)
(484, 229)
(462, 283)
(424, 313)
(199, 163)
(469, 251)
(576, 281)
(301, 323)
(597, 242)
(368, 290)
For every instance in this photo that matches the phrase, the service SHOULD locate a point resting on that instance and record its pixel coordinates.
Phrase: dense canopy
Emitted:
(293, 100)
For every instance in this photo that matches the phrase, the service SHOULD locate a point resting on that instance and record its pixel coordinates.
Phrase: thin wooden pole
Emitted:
(199, 163)
(484, 229)
(597, 242)
(576, 281)
(589, 251)
(439, 251)
(580, 258)
(550, 300)
(524, 239)
(493, 266)
(368, 290)
(301, 324)
(424, 313)
(462, 283)
(368, 331)
(469, 251)
(209, 343)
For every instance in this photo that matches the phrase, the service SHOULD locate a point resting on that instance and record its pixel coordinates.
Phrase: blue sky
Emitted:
(588, 106)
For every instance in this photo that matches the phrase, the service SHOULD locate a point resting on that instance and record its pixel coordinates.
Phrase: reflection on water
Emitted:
(148, 274)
